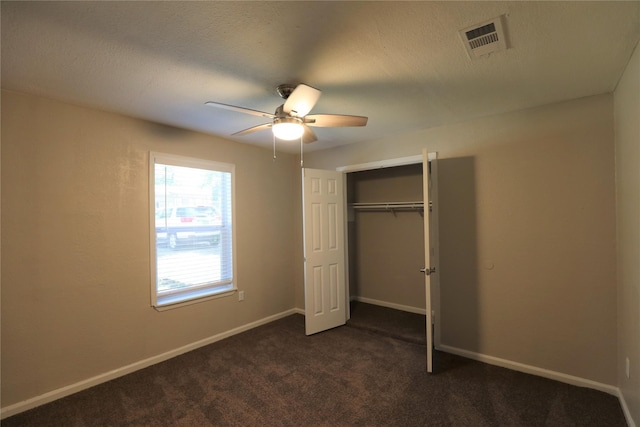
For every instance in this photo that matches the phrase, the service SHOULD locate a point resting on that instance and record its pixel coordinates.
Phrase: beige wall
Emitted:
(527, 238)
(527, 232)
(627, 130)
(387, 249)
(75, 243)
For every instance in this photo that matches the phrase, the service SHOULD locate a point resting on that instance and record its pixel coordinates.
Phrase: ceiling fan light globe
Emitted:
(288, 130)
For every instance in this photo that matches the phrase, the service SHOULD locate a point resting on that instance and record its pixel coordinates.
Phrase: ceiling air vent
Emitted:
(485, 38)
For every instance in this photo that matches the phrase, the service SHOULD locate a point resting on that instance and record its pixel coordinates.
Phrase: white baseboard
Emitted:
(391, 305)
(625, 409)
(528, 369)
(553, 375)
(25, 405)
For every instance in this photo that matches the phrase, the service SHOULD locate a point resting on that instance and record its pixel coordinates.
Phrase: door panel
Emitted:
(426, 188)
(434, 238)
(323, 208)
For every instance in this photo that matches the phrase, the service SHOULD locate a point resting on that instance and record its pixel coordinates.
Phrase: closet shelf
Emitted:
(390, 206)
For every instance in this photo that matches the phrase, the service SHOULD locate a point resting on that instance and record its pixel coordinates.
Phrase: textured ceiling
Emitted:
(402, 64)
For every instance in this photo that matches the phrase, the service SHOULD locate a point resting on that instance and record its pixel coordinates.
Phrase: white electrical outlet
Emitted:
(626, 368)
(240, 295)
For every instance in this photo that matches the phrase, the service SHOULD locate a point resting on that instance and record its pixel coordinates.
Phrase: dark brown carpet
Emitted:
(274, 375)
(398, 324)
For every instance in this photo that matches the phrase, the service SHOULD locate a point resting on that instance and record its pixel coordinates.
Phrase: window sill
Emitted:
(169, 302)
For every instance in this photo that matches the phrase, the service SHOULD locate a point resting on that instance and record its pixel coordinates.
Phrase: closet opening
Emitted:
(386, 250)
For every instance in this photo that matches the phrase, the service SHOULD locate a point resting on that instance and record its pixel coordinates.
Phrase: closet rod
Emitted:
(389, 205)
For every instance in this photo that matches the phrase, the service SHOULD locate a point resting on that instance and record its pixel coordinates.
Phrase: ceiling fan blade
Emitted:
(308, 136)
(335, 120)
(253, 129)
(240, 109)
(301, 100)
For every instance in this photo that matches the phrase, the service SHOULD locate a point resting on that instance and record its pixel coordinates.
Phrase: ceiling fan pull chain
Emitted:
(301, 158)
(274, 147)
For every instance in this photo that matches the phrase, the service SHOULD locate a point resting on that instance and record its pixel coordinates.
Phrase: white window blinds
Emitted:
(192, 228)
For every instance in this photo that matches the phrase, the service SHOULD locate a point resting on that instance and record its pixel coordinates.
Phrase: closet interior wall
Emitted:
(386, 247)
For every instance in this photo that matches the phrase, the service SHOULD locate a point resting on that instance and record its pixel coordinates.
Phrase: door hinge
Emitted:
(428, 271)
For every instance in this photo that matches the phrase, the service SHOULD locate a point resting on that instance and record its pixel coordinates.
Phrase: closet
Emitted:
(386, 237)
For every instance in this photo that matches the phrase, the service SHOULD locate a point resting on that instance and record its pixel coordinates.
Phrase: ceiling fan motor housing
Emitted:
(287, 119)
(285, 90)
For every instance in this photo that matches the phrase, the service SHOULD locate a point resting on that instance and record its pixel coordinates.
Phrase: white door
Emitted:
(324, 253)
(430, 250)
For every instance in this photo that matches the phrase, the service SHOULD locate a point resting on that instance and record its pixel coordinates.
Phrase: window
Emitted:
(192, 237)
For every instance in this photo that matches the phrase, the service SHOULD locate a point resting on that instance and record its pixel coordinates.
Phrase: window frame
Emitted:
(203, 292)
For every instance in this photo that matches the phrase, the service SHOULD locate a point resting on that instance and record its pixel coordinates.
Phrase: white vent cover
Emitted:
(485, 38)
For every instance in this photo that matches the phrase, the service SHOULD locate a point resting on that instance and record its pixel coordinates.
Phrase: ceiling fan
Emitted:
(292, 120)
